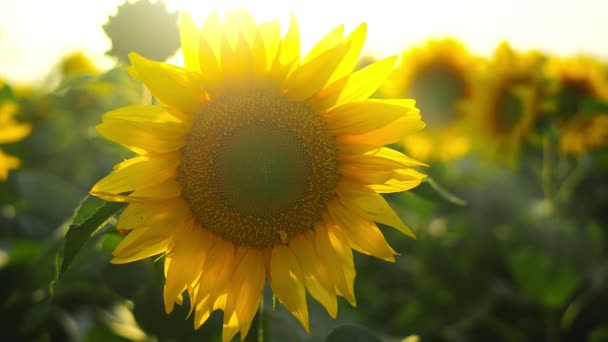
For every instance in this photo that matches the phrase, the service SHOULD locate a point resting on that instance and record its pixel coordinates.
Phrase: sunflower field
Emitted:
(264, 192)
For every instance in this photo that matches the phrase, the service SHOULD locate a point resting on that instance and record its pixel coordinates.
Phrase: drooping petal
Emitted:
(316, 277)
(287, 282)
(188, 257)
(143, 243)
(364, 233)
(247, 284)
(372, 205)
(338, 259)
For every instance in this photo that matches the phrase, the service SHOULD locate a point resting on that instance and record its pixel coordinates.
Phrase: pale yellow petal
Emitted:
(287, 282)
(171, 85)
(330, 40)
(356, 40)
(190, 41)
(311, 76)
(289, 50)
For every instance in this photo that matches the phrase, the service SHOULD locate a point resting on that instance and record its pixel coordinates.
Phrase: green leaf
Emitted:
(352, 333)
(431, 190)
(92, 215)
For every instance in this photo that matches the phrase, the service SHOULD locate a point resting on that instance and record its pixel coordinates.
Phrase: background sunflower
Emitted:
(505, 102)
(438, 75)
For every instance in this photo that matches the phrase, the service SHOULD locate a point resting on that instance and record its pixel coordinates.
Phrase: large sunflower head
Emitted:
(10, 131)
(258, 165)
(576, 83)
(438, 76)
(505, 101)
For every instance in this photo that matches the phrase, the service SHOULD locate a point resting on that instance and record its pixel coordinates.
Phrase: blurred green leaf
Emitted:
(352, 333)
(92, 214)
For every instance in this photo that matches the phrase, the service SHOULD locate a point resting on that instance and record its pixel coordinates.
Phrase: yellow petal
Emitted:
(143, 243)
(142, 113)
(271, 36)
(359, 86)
(167, 190)
(315, 273)
(289, 50)
(171, 85)
(364, 233)
(330, 40)
(247, 285)
(219, 267)
(142, 136)
(139, 172)
(230, 327)
(144, 215)
(190, 40)
(394, 132)
(372, 205)
(356, 40)
(365, 116)
(311, 76)
(14, 132)
(7, 163)
(287, 282)
(187, 260)
(338, 259)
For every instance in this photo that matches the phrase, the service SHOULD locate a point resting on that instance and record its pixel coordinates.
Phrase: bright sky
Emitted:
(34, 34)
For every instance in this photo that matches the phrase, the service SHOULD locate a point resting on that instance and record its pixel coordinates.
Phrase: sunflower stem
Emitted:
(571, 181)
(547, 168)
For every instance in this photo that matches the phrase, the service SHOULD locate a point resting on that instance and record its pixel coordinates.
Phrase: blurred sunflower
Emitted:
(575, 84)
(77, 63)
(10, 131)
(258, 165)
(144, 27)
(438, 76)
(506, 101)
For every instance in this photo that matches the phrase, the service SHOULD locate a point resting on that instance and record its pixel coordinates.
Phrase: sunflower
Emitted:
(77, 63)
(438, 76)
(576, 82)
(10, 131)
(505, 101)
(259, 165)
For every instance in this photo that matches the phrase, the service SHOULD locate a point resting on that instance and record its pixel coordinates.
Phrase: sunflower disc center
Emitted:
(257, 168)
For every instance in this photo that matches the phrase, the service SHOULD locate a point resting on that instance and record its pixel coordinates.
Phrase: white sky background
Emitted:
(34, 34)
